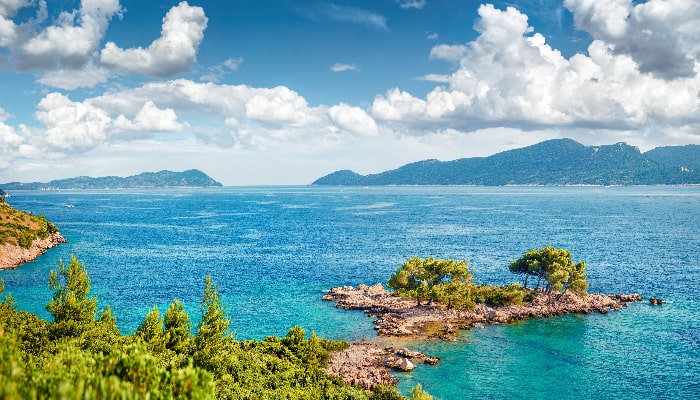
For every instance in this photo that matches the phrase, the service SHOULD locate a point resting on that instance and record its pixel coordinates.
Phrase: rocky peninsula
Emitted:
(12, 256)
(400, 317)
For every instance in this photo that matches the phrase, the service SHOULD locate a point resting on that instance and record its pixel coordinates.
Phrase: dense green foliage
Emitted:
(20, 228)
(161, 179)
(452, 283)
(444, 281)
(83, 355)
(553, 162)
(554, 268)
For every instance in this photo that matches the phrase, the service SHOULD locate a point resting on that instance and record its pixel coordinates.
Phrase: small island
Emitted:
(24, 236)
(434, 299)
(192, 178)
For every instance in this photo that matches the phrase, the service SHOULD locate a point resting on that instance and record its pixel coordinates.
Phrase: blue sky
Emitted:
(283, 92)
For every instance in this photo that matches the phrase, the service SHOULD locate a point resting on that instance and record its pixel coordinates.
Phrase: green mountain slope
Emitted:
(162, 179)
(552, 162)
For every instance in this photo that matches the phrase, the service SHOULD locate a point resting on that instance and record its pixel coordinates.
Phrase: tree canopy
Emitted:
(552, 267)
(452, 282)
(432, 280)
(82, 354)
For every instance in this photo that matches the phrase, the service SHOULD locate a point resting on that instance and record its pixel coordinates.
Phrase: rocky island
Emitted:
(400, 317)
(192, 178)
(434, 299)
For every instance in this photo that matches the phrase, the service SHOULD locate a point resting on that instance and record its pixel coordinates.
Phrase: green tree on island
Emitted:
(444, 281)
(452, 283)
(554, 267)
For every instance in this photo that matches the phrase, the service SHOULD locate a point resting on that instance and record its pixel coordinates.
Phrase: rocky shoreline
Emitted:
(368, 363)
(12, 256)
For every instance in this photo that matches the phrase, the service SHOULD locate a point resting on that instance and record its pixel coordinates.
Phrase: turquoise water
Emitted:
(273, 250)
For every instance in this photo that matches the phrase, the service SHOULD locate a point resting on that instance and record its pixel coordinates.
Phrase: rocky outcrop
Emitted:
(656, 301)
(368, 364)
(12, 256)
(397, 316)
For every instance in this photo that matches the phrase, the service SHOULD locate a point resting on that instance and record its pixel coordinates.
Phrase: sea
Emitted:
(273, 251)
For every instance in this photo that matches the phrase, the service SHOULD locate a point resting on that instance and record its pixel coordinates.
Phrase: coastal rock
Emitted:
(12, 256)
(656, 301)
(368, 364)
(403, 365)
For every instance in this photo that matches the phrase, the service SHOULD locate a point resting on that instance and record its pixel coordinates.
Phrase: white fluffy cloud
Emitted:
(68, 52)
(509, 76)
(174, 52)
(72, 41)
(8, 28)
(10, 140)
(353, 119)
(661, 36)
(241, 117)
(70, 126)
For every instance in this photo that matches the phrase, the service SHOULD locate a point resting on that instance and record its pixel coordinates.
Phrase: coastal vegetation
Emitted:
(82, 354)
(20, 228)
(451, 282)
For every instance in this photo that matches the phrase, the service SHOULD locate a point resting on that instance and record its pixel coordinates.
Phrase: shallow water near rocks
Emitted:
(274, 250)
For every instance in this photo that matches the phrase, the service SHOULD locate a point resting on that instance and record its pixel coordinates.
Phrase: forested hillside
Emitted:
(553, 162)
(81, 354)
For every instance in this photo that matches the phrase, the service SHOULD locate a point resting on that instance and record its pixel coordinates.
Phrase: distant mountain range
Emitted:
(552, 162)
(162, 179)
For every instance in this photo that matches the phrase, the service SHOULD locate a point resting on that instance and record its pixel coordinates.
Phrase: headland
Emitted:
(12, 256)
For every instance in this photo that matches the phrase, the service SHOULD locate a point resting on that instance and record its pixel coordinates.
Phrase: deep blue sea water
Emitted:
(274, 250)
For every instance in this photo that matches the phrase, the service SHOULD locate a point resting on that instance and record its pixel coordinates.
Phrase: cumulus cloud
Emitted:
(661, 36)
(70, 79)
(510, 77)
(338, 67)
(68, 52)
(73, 39)
(70, 126)
(174, 52)
(10, 140)
(242, 117)
(353, 119)
(8, 29)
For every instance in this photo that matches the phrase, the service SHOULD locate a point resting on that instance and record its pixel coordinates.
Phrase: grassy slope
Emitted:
(20, 229)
